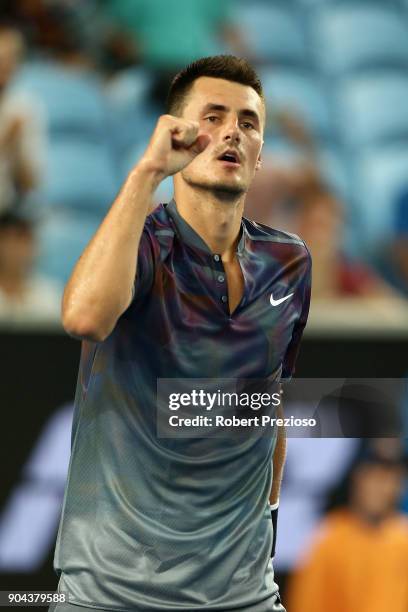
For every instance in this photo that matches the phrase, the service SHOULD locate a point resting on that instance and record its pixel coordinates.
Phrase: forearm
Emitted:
(100, 286)
(279, 457)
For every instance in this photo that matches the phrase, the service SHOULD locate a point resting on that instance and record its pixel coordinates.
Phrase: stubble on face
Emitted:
(220, 189)
(203, 174)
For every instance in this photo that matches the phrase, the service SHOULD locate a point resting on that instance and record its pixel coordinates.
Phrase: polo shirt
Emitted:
(153, 523)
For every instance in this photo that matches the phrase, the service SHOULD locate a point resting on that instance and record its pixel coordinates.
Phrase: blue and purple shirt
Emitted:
(150, 523)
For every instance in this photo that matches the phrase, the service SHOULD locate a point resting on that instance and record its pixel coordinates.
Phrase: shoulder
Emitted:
(158, 222)
(265, 233)
(158, 232)
(277, 243)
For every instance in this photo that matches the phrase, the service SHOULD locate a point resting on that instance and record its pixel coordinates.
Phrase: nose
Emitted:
(231, 132)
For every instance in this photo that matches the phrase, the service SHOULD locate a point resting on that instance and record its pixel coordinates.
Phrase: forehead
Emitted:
(221, 91)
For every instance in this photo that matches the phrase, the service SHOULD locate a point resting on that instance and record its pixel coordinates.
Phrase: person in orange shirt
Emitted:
(358, 560)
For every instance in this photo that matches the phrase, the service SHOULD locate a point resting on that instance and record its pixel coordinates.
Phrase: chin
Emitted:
(229, 187)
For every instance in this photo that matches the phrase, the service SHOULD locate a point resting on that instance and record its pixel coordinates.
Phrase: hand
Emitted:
(174, 144)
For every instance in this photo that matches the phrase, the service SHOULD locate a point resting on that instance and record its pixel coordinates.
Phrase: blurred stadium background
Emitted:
(81, 86)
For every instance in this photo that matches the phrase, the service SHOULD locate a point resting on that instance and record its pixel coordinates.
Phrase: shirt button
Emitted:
(216, 258)
(221, 278)
(224, 298)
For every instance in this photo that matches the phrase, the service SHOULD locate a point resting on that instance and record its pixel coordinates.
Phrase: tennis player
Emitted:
(192, 290)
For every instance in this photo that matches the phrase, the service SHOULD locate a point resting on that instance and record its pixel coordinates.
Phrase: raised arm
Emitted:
(100, 287)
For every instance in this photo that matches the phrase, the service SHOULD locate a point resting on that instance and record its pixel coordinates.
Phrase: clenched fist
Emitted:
(174, 144)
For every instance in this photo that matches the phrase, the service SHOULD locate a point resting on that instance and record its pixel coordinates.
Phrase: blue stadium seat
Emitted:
(380, 175)
(132, 129)
(62, 237)
(373, 109)
(129, 88)
(132, 116)
(302, 93)
(74, 101)
(80, 175)
(322, 4)
(131, 156)
(360, 36)
(272, 31)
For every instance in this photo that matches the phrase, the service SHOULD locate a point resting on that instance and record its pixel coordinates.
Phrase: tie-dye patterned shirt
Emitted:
(150, 523)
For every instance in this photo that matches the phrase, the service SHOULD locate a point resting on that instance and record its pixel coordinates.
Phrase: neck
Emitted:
(215, 216)
(371, 519)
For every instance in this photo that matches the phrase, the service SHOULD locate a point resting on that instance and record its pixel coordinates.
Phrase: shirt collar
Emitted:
(190, 236)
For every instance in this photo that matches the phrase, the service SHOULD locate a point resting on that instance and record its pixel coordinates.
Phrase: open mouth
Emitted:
(230, 158)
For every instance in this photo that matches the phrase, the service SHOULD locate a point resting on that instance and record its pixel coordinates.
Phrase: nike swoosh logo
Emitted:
(277, 302)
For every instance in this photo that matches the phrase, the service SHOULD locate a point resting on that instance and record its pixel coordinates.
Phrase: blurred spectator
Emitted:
(21, 130)
(282, 179)
(294, 197)
(358, 559)
(170, 34)
(49, 26)
(394, 261)
(320, 222)
(277, 188)
(23, 295)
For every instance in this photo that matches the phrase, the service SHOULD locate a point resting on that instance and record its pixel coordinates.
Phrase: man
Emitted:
(21, 126)
(193, 291)
(340, 569)
(24, 294)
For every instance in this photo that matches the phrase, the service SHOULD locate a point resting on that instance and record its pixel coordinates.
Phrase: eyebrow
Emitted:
(224, 109)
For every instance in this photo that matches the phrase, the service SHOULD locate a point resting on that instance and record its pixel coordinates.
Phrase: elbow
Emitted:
(83, 329)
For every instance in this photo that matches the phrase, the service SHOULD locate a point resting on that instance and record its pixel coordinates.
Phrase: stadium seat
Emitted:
(62, 237)
(373, 109)
(361, 36)
(272, 32)
(132, 116)
(74, 102)
(80, 175)
(380, 175)
(129, 88)
(302, 93)
(322, 4)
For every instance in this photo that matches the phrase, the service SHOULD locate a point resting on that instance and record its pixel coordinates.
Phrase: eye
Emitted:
(211, 118)
(248, 124)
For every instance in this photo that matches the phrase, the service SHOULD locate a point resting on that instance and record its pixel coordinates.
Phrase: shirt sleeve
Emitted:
(145, 269)
(289, 361)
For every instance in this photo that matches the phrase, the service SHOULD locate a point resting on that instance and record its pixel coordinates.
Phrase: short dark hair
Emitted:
(229, 67)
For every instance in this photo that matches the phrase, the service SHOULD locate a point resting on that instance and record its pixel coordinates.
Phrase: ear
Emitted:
(258, 164)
